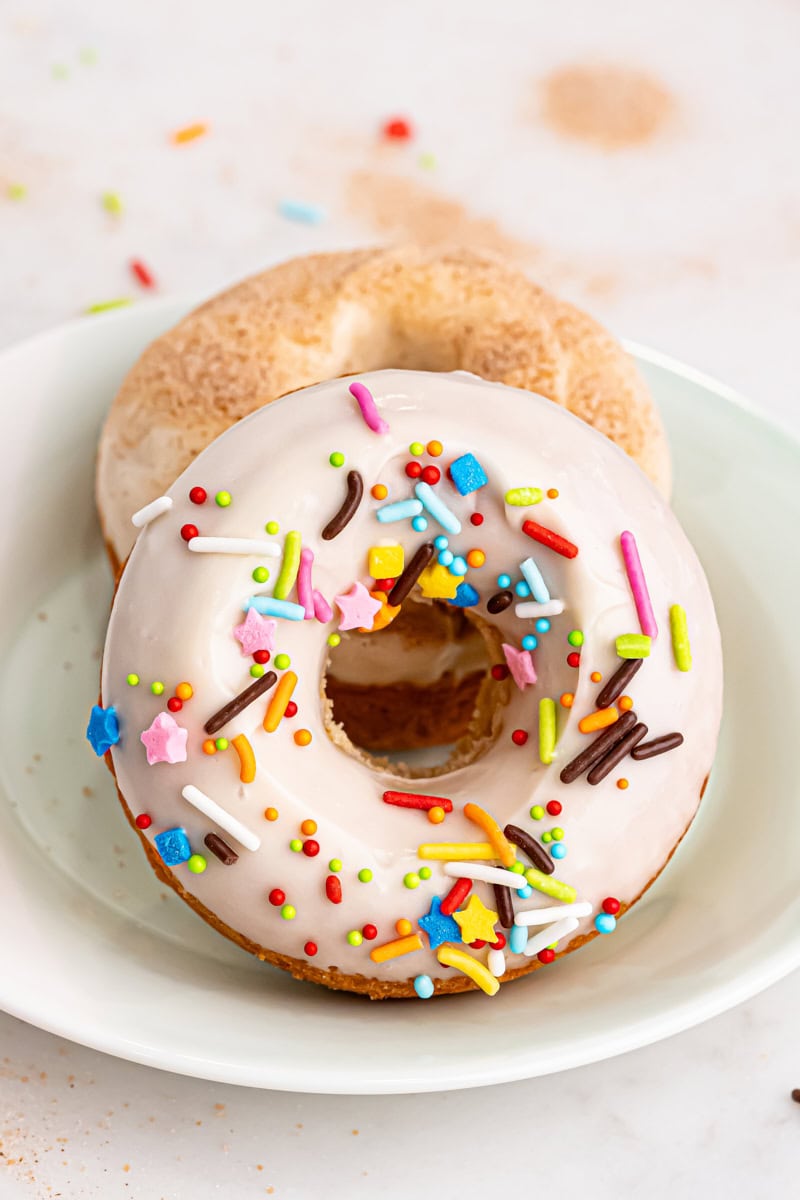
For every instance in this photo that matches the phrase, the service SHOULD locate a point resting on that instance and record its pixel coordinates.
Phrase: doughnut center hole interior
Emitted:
(416, 698)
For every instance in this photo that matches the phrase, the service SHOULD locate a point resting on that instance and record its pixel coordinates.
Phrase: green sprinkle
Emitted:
(335, 865)
(261, 574)
(59, 71)
(550, 886)
(132, 680)
(292, 545)
(547, 729)
(107, 305)
(557, 834)
(355, 937)
(411, 880)
(272, 527)
(221, 743)
(288, 912)
(537, 812)
(523, 497)
(516, 867)
(16, 191)
(633, 645)
(416, 448)
(424, 872)
(427, 161)
(282, 662)
(547, 838)
(365, 875)
(336, 459)
(334, 639)
(296, 845)
(157, 688)
(575, 637)
(223, 499)
(112, 203)
(256, 670)
(679, 630)
(196, 864)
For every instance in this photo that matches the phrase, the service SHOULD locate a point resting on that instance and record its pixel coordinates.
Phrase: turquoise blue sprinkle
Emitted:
(542, 625)
(605, 923)
(420, 524)
(268, 606)
(441, 542)
(558, 850)
(437, 508)
(517, 939)
(529, 642)
(522, 589)
(399, 510)
(299, 210)
(445, 557)
(526, 892)
(534, 580)
(458, 566)
(504, 581)
(423, 986)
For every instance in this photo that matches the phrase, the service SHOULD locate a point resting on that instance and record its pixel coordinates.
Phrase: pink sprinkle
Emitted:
(322, 610)
(304, 590)
(641, 596)
(369, 411)
(520, 664)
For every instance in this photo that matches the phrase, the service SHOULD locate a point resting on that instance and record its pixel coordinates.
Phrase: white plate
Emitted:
(96, 950)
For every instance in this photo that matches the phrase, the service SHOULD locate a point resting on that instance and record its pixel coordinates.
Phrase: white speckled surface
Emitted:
(689, 243)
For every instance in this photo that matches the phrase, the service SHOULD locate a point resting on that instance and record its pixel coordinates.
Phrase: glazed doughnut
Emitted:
(328, 315)
(593, 733)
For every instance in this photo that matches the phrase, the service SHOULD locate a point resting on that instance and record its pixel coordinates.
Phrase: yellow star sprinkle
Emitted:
(477, 921)
(438, 584)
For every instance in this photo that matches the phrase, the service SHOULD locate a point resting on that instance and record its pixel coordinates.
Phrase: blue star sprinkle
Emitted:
(439, 927)
(465, 596)
(103, 729)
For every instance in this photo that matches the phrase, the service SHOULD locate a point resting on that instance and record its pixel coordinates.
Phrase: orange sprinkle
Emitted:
(271, 814)
(184, 691)
(552, 493)
(209, 746)
(403, 945)
(404, 927)
(625, 703)
(247, 760)
(189, 132)
(309, 828)
(601, 718)
(622, 784)
(379, 491)
(436, 815)
(434, 449)
(595, 677)
(302, 737)
(476, 558)
(280, 699)
(566, 699)
(505, 851)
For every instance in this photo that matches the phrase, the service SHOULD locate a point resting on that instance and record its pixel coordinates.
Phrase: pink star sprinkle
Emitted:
(256, 633)
(165, 740)
(520, 664)
(357, 608)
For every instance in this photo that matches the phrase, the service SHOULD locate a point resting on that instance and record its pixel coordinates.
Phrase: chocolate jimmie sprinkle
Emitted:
(355, 490)
(240, 702)
(223, 851)
(599, 748)
(618, 682)
(659, 745)
(528, 845)
(616, 754)
(411, 574)
(505, 908)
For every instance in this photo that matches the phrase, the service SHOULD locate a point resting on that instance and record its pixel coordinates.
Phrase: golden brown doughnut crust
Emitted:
(326, 315)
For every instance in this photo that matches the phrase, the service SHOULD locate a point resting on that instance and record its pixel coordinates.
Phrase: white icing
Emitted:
(174, 615)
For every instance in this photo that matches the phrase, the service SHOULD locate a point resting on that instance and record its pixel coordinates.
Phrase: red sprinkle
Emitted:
(500, 671)
(310, 949)
(277, 897)
(574, 659)
(410, 800)
(431, 475)
(174, 704)
(476, 519)
(611, 905)
(310, 848)
(398, 129)
(142, 274)
(554, 807)
(413, 470)
(546, 537)
(261, 656)
(519, 737)
(457, 895)
(189, 531)
(384, 585)
(143, 821)
(500, 943)
(291, 709)
(477, 944)
(546, 956)
(370, 932)
(198, 495)
(333, 889)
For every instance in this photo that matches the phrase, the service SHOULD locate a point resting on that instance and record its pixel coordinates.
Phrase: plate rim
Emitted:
(757, 974)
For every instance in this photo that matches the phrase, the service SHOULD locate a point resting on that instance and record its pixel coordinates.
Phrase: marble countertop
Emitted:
(639, 159)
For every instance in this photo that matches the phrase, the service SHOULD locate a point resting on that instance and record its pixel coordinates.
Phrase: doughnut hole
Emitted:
(418, 696)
